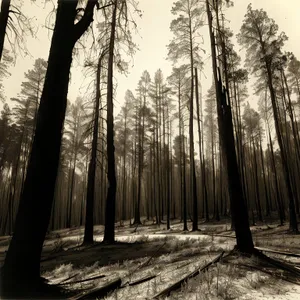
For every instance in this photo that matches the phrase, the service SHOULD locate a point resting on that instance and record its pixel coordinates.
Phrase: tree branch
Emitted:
(86, 19)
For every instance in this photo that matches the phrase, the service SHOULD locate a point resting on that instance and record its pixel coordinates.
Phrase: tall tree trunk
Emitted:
(201, 149)
(295, 131)
(109, 232)
(257, 183)
(278, 197)
(169, 171)
(4, 15)
(213, 172)
(102, 173)
(137, 217)
(90, 195)
(184, 187)
(193, 183)
(70, 211)
(123, 215)
(182, 162)
(22, 263)
(264, 178)
(237, 201)
(286, 171)
(200, 136)
(14, 174)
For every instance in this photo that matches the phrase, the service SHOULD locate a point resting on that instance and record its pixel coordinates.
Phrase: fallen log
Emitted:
(278, 252)
(218, 235)
(177, 285)
(99, 292)
(83, 280)
(142, 280)
(67, 279)
(150, 258)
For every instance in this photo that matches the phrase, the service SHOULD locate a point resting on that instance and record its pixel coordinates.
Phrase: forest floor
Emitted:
(149, 258)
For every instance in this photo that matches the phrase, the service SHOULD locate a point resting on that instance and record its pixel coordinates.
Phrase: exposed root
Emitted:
(37, 289)
(278, 252)
(261, 262)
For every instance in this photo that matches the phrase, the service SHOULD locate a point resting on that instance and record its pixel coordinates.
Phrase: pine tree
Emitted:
(76, 146)
(238, 205)
(186, 46)
(259, 34)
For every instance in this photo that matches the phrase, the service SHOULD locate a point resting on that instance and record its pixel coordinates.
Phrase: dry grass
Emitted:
(170, 257)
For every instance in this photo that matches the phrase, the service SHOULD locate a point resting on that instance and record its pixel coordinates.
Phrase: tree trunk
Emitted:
(69, 214)
(278, 197)
(264, 178)
(5, 4)
(109, 233)
(193, 183)
(185, 228)
(257, 183)
(141, 133)
(237, 201)
(169, 171)
(124, 191)
(90, 195)
(182, 161)
(22, 263)
(286, 172)
(201, 150)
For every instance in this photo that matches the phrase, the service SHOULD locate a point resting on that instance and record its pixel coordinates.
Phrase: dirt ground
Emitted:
(163, 257)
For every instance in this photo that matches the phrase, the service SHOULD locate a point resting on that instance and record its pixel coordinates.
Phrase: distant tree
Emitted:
(27, 104)
(33, 86)
(265, 109)
(159, 93)
(9, 165)
(179, 82)
(200, 124)
(4, 64)
(124, 133)
(185, 45)
(212, 138)
(76, 146)
(12, 19)
(259, 34)
(4, 134)
(293, 75)
(252, 129)
(142, 114)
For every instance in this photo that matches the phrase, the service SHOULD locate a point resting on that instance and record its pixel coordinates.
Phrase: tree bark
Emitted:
(286, 171)
(237, 201)
(109, 232)
(5, 4)
(89, 213)
(70, 210)
(22, 263)
(193, 183)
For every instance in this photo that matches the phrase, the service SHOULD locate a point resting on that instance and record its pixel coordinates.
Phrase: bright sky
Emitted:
(154, 35)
